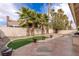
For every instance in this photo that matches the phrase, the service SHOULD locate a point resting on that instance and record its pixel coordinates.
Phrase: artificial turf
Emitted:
(21, 42)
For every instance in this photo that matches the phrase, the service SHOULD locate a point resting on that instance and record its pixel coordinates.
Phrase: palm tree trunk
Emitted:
(42, 29)
(56, 30)
(47, 30)
(28, 31)
(32, 30)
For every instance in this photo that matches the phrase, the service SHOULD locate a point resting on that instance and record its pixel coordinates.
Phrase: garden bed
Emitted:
(21, 42)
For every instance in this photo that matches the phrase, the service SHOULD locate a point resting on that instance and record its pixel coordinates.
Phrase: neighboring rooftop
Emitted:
(12, 23)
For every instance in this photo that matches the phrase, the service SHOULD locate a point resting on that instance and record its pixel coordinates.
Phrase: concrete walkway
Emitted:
(59, 46)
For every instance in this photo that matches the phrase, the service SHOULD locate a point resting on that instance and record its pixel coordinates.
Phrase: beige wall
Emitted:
(15, 32)
(12, 32)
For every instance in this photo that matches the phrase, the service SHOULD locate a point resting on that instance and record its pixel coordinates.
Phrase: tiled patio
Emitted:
(61, 46)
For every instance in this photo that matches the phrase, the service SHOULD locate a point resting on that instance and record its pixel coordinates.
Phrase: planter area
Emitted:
(21, 42)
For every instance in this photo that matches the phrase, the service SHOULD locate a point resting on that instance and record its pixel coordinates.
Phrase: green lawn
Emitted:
(21, 42)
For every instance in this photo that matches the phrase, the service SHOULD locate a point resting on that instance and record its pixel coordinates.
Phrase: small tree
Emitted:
(58, 25)
(59, 20)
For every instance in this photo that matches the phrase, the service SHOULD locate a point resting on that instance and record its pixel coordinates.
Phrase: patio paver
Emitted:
(55, 47)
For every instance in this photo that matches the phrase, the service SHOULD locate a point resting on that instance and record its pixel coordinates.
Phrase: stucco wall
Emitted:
(12, 32)
(15, 32)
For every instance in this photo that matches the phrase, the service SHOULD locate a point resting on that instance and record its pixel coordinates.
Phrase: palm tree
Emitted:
(23, 21)
(33, 18)
(46, 23)
(42, 21)
(27, 19)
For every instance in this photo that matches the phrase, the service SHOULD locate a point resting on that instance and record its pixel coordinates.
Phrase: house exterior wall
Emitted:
(75, 11)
